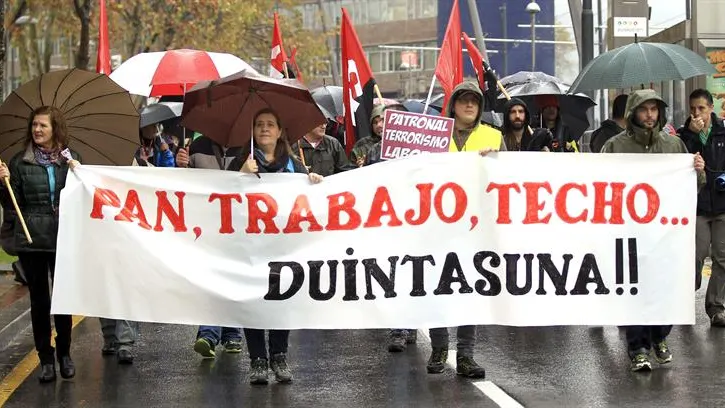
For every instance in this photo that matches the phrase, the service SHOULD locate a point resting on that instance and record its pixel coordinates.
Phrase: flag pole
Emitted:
(377, 93)
(17, 208)
(430, 93)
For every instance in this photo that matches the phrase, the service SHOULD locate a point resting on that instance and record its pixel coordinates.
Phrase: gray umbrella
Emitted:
(572, 107)
(160, 112)
(329, 99)
(524, 77)
(640, 64)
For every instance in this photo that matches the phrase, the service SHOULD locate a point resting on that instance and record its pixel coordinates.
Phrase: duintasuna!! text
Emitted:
(486, 273)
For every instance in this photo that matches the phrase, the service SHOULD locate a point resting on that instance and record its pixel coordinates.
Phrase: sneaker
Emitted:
(640, 362)
(467, 367)
(662, 353)
(204, 347)
(397, 342)
(412, 337)
(124, 356)
(258, 370)
(233, 346)
(718, 320)
(278, 364)
(437, 360)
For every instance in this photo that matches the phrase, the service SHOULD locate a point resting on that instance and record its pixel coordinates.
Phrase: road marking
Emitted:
(22, 370)
(488, 388)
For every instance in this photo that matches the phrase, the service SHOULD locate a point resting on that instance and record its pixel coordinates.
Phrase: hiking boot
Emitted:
(124, 356)
(278, 364)
(412, 337)
(662, 353)
(397, 342)
(718, 320)
(467, 367)
(437, 360)
(233, 346)
(204, 347)
(109, 348)
(640, 362)
(258, 371)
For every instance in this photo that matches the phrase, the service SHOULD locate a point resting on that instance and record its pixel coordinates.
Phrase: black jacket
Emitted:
(711, 199)
(326, 159)
(606, 131)
(30, 183)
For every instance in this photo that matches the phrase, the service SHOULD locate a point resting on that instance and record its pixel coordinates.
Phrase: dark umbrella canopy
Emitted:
(639, 64)
(413, 105)
(224, 109)
(524, 77)
(329, 99)
(101, 117)
(573, 108)
(159, 112)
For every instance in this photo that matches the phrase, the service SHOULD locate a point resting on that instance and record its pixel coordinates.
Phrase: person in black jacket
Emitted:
(272, 154)
(610, 127)
(37, 176)
(704, 133)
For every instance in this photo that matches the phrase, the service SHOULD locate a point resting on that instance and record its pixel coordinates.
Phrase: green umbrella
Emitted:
(639, 64)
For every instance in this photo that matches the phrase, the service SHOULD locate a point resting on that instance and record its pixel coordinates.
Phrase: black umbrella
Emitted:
(572, 107)
(159, 112)
(416, 106)
(329, 99)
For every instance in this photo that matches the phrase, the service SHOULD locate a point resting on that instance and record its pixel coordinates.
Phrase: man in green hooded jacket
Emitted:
(645, 120)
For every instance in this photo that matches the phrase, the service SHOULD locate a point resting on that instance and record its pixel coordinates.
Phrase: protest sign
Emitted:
(407, 133)
(431, 241)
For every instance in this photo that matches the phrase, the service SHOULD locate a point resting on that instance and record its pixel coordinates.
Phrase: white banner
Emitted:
(522, 239)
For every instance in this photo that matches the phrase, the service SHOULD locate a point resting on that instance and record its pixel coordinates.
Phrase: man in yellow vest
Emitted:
(469, 135)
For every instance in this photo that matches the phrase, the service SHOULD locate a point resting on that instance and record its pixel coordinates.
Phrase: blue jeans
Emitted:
(216, 334)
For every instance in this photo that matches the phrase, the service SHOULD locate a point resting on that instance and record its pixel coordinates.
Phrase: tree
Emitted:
(83, 11)
(566, 55)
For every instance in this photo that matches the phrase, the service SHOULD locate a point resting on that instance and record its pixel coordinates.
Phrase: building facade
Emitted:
(401, 38)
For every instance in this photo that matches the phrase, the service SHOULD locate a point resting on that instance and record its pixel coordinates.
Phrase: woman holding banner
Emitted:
(37, 176)
(272, 154)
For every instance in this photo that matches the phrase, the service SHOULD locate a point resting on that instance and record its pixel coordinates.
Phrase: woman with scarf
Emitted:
(37, 176)
(272, 154)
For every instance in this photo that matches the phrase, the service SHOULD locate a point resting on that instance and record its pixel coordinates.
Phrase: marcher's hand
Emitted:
(250, 166)
(164, 146)
(699, 163)
(360, 161)
(486, 151)
(545, 149)
(4, 171)
(182, 158)
(315, 178)
(73, 164)
(696, 124)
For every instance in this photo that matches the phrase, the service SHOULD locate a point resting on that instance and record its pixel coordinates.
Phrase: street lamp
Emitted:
(533, 8)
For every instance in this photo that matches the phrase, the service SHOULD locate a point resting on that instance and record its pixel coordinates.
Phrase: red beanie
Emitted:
(542, 101)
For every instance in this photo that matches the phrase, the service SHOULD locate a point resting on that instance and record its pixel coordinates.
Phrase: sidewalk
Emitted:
(15, 330)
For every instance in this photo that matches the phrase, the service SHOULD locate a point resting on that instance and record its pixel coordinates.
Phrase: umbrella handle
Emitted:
(17, 209)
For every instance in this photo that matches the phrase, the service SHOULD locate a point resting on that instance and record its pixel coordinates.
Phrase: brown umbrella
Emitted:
(101, 117)
(223, 109)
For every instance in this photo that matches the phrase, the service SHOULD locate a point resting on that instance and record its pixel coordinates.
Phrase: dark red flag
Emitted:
(476, 60)
(103, 60)
(358, 85)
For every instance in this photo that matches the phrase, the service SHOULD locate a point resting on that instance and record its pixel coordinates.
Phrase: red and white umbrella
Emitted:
(175, 71)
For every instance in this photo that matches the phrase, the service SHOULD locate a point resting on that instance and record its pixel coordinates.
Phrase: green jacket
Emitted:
(635, 139)
(362, 147)
(30, 183)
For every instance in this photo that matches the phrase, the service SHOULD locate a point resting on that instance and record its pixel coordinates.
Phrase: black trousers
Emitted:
(37, 267)
(278, 342)
(642, 338)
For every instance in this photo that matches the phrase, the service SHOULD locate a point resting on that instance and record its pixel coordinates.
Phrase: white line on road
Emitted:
(488, 388)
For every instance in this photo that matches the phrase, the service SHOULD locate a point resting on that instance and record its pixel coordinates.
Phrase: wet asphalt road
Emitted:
(538, 367)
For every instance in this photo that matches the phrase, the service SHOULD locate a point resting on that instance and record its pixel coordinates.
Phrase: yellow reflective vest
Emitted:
(483, 136)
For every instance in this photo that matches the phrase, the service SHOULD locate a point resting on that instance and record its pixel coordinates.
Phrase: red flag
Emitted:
(449, 69)
(358, 84)
(278, 58)
(476, 60)
(295, 67)
(103, 61)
